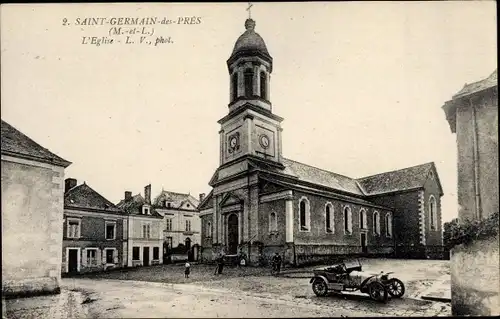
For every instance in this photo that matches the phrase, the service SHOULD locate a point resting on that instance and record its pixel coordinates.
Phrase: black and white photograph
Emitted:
(249, 159)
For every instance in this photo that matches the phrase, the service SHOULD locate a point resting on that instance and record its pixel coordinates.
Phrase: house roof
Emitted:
(321, 177)
(134, 205)
(396, 181)
(83, 196)
(177, 200)
(450, 106)
(17, 144)
(468, 89)
(206, 202)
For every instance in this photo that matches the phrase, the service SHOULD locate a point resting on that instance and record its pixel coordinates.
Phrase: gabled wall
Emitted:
(32, 216)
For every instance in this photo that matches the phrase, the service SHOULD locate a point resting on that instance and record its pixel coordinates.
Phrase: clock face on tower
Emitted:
(264, 141)
(234, 143)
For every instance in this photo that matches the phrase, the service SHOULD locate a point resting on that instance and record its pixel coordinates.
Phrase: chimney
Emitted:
(69, 183)
(147, 194)
(128, 195)
(202, 197)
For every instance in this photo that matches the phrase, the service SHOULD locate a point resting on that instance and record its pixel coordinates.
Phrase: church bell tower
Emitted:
(250, 128)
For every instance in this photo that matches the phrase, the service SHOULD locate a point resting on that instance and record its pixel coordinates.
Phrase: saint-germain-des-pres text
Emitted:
(131, 21)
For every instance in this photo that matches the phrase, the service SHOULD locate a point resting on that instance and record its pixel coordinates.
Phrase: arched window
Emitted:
(388, 225)
(263, 85)
(329, 221)
(248, 82)
(347, 220)
(432, 212)
(376, 223)
(273, 222)
(362, 219)
(234, 84)
(304, 214)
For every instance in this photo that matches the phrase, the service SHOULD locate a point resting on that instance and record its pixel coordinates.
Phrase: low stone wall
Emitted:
(422, 252)
(475, 277)
(313, 254)
(179, 257)
(437, 252)
(301, 255)
(30, 287)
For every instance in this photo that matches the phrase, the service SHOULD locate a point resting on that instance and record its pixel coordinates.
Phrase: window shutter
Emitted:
(115, 256)
(83, 260)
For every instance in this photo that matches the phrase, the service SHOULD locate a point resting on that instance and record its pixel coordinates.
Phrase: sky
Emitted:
(359, 84)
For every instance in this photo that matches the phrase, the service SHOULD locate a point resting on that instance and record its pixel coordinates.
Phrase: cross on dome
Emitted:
(250, 5)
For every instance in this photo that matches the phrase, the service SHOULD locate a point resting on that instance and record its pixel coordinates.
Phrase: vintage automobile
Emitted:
(349, 276)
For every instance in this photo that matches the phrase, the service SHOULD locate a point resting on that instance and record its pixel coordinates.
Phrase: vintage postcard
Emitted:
(249, 159)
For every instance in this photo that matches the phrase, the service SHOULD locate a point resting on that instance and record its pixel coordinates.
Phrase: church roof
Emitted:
(313, 189)
(478, 86)
(321, 177)
(250, 40)
(396, 181)
(83, 196)
(177, 200)
(17, 144)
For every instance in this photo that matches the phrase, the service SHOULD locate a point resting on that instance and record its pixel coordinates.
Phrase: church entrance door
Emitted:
(364, 247)
(232, 234)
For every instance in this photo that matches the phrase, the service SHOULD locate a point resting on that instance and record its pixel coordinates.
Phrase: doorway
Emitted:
(72, 260)
(232, 234)
(364, 247)
(145, 256)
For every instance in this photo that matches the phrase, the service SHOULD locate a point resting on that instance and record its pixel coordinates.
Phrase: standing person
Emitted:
(216, 259)
(221, 262)
(187, 270)
(277, 262)
(242, 259)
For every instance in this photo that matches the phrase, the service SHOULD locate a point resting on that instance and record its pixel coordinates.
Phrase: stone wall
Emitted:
(475, 288)
(487, 140)
(317, 233)
(32, 220)
(406, 216)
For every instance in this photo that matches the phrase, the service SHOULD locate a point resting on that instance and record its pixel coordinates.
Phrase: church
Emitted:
(262, 202)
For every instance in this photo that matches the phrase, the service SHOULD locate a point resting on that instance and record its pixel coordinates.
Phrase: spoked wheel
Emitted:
(396, 288)
(378, 292)
(320, 288)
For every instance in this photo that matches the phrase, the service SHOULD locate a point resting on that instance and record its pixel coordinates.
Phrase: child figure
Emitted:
(187, 270)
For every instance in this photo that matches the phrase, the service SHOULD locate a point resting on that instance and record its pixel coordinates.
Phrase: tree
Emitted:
(447, 232)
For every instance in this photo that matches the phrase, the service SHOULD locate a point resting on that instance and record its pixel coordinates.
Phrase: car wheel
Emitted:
(396, 288)
(378, 292)
(320, 288)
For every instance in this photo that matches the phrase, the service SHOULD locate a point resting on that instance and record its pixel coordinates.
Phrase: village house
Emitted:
(181, 223)
(144, 229)
(262, 202)
(32, 215)
(94, 231)
(472, 114)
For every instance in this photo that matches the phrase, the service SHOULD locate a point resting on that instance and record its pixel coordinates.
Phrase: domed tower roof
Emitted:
(250, 42)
